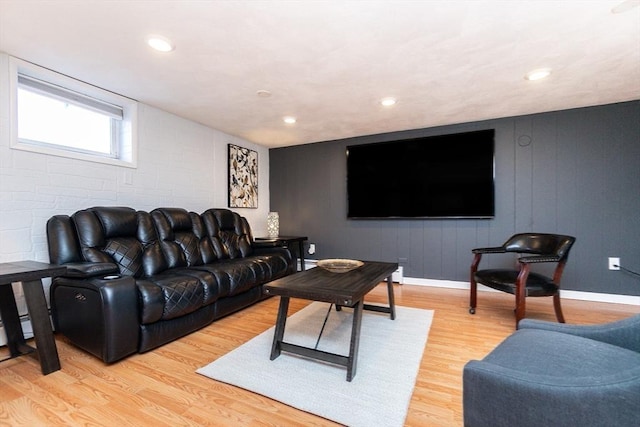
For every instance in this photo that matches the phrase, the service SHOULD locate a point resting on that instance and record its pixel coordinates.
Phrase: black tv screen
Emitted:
(447, 176)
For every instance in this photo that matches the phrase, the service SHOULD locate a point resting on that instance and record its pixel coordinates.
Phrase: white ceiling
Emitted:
(328, 63)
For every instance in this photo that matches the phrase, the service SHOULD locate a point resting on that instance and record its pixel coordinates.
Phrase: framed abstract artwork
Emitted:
(243, 177)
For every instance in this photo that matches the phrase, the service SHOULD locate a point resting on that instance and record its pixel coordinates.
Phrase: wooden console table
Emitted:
(288, 240)
(30, 274)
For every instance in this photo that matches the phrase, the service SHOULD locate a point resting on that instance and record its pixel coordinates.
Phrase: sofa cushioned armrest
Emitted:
(545, 378)
(85, 270)
(495, 396)
(622, 333)
(98, 315)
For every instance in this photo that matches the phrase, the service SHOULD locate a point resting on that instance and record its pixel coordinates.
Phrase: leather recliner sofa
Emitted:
(136, 280)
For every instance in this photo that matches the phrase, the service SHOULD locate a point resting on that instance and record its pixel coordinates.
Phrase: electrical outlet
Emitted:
(614, 263)
(312, 248)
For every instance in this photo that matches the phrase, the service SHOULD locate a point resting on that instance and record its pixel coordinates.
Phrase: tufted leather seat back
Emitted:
(121, 236)
(211, 249)
(179, 243)
(230, 236)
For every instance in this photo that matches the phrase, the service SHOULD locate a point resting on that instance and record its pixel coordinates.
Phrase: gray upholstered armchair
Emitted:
(550, 374)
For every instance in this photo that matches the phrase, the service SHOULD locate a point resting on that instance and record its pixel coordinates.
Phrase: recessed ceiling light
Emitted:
(538, 74)
(388, 102)
(160, 43)
(289, 120)
(263, 93)
(625, 6)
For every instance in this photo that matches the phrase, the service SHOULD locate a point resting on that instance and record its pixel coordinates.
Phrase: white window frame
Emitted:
(125, 154)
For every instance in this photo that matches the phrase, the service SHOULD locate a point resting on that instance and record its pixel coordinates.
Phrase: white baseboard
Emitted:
(452, 284)
(577, 295)
(26, 329)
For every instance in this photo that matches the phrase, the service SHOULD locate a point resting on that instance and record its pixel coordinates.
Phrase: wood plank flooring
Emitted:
(160, 388)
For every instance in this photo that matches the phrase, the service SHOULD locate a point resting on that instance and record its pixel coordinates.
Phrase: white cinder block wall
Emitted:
(180, 164)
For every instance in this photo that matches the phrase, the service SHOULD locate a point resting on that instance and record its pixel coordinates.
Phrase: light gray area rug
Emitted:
(379, 394)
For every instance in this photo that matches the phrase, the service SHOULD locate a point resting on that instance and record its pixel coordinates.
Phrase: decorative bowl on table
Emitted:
(339, 265)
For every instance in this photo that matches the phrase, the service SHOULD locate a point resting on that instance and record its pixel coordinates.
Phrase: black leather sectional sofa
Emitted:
(136, 280)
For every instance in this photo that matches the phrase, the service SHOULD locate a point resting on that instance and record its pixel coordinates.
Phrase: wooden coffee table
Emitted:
(342, 289)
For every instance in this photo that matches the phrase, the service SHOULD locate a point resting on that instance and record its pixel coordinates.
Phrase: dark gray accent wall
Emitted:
(573, 172)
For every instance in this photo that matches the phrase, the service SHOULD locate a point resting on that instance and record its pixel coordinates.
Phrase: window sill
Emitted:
(73, 155)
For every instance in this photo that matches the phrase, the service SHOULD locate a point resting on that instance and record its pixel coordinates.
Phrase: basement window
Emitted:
(58, 115)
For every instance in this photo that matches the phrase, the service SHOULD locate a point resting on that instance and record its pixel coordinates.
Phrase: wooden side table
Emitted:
(288, 240)
(30, 274)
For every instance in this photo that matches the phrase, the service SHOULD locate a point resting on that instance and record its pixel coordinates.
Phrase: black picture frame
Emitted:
(243, 177)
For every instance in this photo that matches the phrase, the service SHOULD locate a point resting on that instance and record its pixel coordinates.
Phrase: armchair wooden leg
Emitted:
(558, 308)
(556, 297)
(521, 292)
(473, 289)
(473, 296)
(520, 310)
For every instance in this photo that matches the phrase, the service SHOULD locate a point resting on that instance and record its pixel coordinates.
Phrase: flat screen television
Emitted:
(447, 176)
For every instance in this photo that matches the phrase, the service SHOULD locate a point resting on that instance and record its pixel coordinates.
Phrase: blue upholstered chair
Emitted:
(552, 374)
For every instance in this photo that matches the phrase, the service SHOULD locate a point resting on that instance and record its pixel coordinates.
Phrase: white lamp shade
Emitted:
(273, 224)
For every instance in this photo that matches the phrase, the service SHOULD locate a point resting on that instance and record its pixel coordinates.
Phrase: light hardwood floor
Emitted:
(160, 388)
